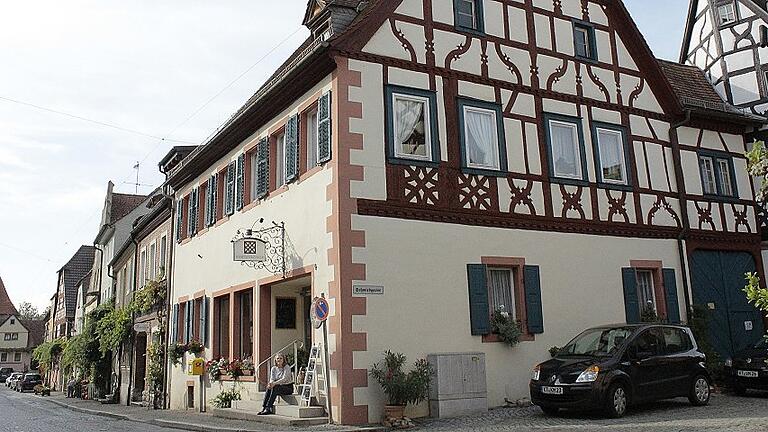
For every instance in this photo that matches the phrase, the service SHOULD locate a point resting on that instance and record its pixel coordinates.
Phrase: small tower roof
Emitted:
(6, 306)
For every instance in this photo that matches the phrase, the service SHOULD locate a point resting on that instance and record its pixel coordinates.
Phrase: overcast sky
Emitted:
(146, 66)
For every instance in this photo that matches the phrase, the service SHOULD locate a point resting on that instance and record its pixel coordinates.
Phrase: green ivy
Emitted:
(113, 329)
(151, 295)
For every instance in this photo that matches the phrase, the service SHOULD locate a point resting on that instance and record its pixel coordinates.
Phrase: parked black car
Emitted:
(613, 367)
(5, 373)
(748, 369)
(29, 382)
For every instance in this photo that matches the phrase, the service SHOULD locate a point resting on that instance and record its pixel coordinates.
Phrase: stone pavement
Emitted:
(190, 420)
(725, 413)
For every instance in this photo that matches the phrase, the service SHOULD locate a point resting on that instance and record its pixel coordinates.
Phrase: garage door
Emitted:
(717, 279)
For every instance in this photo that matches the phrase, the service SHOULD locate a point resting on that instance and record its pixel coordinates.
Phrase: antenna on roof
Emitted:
(137, 184)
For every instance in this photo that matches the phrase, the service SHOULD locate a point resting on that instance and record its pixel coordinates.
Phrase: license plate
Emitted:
(552, 390)
(747, 374)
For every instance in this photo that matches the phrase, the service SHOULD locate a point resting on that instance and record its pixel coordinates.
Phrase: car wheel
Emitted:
(550, 410)
(617, 401)
(700, 391)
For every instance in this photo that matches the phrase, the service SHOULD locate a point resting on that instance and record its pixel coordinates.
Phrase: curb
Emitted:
(194, 426)
(89, 411)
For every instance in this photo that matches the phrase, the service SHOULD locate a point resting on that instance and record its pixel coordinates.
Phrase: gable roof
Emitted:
(73, 271)
(759, 8)
(36, 332)
(6, 305)
(122, 204)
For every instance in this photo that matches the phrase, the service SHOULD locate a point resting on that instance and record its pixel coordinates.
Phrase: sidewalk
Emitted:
(185, 420)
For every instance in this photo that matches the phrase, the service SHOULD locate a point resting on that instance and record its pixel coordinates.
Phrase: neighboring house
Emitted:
(84, 299)
(117, 217)
(436, 160)
(18, 337)
(727, 39)
(141, 259)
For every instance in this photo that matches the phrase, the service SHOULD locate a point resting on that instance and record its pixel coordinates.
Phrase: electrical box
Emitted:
(459, 385)
(196, 367)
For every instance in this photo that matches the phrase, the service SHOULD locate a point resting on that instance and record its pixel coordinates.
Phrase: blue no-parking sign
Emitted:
(321, 309)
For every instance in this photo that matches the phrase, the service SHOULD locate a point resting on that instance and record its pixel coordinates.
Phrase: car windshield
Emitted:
(601, 342)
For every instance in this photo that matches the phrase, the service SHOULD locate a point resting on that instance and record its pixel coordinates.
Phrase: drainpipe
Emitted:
(684, 206)
(168, 290)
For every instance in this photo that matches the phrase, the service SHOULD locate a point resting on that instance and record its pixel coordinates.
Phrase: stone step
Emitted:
(276, 419)
(281, 409)
(293, 399)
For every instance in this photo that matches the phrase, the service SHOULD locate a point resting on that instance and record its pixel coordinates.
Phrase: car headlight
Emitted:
(589, 375)
(728, 362)
(536, 373)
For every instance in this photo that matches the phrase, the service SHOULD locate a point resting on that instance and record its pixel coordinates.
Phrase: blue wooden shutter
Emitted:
(175, 323)
(229, 195)
(204, 313)
(189, 214)
(240, 196)
(190, 319)
(214, 198)
(179, 219)
(324, 132)
(670, 288)
(479, 315)
(207, 208)
(262, 172)
(292, 149)
(194, 203)
(533, 307)
(631, 303)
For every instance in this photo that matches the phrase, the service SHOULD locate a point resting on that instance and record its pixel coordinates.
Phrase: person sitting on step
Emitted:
(280, 383)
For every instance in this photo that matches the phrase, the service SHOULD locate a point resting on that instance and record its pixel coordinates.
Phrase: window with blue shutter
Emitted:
(479, 316)
(229, 193)
(533, 307)
(324, 132)
(179, 219)
(207, 212)
(292, 149)
(240, 185)
(262, 169)
(670, 288)
(190, 314)
(192, 218)
(214, 187)
(175, 323)
(631, 304)
(204, 319)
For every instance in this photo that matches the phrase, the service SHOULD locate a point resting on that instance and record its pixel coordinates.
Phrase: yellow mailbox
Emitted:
(196, 367)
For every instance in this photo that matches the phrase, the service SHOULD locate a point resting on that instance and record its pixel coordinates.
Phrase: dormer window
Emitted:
(727, 13)
(468, 15)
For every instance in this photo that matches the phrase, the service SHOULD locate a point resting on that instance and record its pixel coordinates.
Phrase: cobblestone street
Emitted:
(725, 413)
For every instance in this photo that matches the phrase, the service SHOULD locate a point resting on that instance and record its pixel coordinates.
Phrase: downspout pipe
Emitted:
(168, 302)
(684, 206)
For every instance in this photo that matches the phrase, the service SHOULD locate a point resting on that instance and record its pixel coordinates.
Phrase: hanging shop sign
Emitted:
(261, 248)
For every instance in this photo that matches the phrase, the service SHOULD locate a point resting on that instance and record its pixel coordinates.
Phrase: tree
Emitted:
(757, 164)
(28, 311)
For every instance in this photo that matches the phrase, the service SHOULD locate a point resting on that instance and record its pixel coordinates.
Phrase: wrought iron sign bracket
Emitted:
(261, 248)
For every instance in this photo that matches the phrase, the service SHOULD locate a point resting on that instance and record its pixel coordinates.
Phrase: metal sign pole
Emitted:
(202, 395)
(326, 361)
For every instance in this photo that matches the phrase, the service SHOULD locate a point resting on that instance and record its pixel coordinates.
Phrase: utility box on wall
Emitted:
(458, 387)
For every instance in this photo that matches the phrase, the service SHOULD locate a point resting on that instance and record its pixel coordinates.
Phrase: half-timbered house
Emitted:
(436, 160)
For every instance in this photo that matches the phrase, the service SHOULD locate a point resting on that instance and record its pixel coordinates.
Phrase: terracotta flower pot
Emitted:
(394, 411)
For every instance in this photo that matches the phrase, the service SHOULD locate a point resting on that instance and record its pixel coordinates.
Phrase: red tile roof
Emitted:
(36, 329)
(6, 305)
(122, 204)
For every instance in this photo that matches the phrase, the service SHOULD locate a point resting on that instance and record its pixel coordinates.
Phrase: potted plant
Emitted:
(248, 366)
(400, 387)
(176, 352)
(225, 398)
(216, 368)
(195, 347)
(507, 328)
(235, 369)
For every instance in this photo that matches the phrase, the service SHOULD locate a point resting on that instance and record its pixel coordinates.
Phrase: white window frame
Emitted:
(730, 16)
(641, 300)
(622, 155)
(577, 149)
(17, 357)
(143, 266)
(473, 15)
(511, 309)
(280, 169)
(163, 253)
(427, 127)
(495, 143)
(726, 184)
(705, 181)
(312, 139)
(152, 260)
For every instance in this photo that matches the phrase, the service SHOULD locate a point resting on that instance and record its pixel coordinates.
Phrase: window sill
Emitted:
(470, 31)
(484, 172)
(590, 60)
(568, 182)
(722, 198)
(495, 338)
(243, 378)
(413, 162)
(614, 186)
